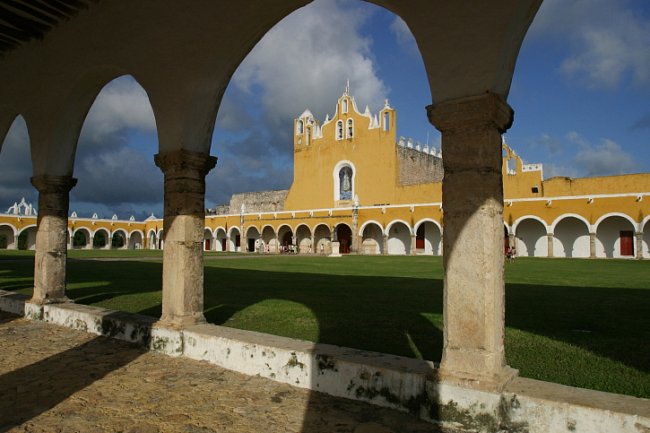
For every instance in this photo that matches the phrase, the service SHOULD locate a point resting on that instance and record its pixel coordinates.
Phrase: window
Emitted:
(308, 136)
(345, 106)
(299, 127)
(350, 129)
(339, 130)
(345, 183)
(386, 121)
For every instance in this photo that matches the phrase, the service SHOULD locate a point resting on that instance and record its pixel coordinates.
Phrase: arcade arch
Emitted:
(399, 238)
(119, 239)
(234, 239)
(27, 238)
(101, 239)
(571, 237)
(253, 240)
(323, 239)
(221, 239)
(531, 237)
(372, 238)
(615, 236)
(152, 240)
(81, 238)
(136, 240)
(344, 238)
(8, 237)
(208, 243)
(428, 237)
(303, 239)
(270, 240)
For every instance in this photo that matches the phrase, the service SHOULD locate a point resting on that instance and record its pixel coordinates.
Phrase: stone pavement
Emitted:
(54, 379)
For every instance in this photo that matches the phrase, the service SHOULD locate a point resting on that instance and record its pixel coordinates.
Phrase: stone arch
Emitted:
(161, 239)
(221, 242)
(26, 237)
(208, 244)
(136, 240)
(70, 116)
(270, 240)
(81, 238)
(285, 237)
(531, 236)
(615, 236)
(372, 238)
(322, 239)
(119, 239)
(570, 237)
(234, 236)
(152, 239)
(344, 237)
(428, 237)
(399, 238)
(8, 237)
(303, 239)
(253, 241)
(101, 238)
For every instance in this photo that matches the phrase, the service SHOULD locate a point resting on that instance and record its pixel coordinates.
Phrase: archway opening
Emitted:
(531, 238)
(615, 238)
(372, 239)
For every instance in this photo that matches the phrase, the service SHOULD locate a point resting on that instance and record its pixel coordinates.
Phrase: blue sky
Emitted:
(581, 94)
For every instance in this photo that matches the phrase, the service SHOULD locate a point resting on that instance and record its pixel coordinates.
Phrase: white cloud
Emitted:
(308, 57)
(122, 104)
(549, 144)
(607, 40)
(404, 36)
(16, 166)
(605, 158)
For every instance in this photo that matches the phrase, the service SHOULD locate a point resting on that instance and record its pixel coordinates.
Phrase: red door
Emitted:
(207, 245)
(419, 238)
(627, 243)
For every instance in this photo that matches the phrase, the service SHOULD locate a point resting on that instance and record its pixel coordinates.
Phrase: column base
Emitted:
(493, 382)
(53, 300)
(180, 322)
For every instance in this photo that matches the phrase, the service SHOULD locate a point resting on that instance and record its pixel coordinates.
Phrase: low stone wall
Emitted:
(525, 406)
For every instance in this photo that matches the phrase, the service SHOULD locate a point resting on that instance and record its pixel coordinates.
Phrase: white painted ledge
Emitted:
(525, 406)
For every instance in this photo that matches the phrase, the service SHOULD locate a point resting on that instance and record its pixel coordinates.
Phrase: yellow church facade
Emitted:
(359, 188)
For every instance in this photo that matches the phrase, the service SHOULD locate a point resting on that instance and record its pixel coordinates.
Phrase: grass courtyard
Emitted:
(577, 322)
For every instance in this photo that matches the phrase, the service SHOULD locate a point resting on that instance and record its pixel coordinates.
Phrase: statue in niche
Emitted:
(345, 179)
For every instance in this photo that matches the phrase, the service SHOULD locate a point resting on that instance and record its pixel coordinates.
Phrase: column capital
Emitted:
(181, 161)
(486, 110)
(47, 183)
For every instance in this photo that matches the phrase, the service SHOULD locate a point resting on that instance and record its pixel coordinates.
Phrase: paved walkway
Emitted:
(54, 379)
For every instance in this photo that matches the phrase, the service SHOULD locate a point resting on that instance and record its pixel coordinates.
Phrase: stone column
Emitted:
(474, 290)
(549, 244)
(413, 249)
(384, 245)
(51, 241)
(592, 245)
(639, 244)
(182, 300)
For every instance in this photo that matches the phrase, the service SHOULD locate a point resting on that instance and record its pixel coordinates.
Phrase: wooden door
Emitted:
(627, 243)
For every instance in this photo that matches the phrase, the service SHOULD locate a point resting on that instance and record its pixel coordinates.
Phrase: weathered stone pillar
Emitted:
(182, 301)
(384, 245)
(549, 244)
(592, 245)
(413, 250)
(51, 240)
(639, 244)
(474, 290)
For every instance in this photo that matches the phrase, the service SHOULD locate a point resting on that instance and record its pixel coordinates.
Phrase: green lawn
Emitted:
(578, 322)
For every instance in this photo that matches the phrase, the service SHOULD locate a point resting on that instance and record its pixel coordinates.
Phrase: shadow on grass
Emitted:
(397, 315)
